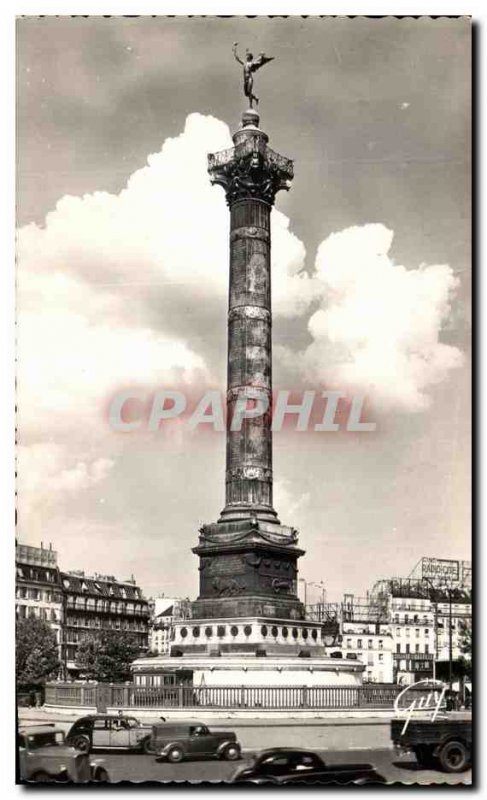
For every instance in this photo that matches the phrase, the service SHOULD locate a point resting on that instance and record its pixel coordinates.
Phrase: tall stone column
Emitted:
(248, 554)
(251, 175)
(248, 477)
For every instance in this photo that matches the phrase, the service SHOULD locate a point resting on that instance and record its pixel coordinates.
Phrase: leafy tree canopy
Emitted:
(36, 651)
(107, 656)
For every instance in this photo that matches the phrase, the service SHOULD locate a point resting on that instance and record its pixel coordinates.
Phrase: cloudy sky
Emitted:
(123, 275)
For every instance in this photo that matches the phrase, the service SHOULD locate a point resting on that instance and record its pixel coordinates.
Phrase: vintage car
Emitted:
(109, 731)
(175, 741)
(443, 743)
(44, 756)
(281, 766)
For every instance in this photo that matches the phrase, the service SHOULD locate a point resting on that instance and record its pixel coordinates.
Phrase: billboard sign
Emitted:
(440, 569)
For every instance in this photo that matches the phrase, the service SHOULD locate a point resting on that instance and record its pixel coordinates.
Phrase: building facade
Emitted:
(38, 591)
(365, 636)
(94, 604)
(164, 611)
(401, 630)
(427, 615)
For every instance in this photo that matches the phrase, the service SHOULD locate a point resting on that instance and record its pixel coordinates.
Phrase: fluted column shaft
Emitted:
(249, 450)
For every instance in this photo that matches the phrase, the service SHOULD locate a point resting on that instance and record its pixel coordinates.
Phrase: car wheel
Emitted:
(175, 755)
(41, 777)
(454, 757)
(82, 743)
(231, 752)
(147, 747)
(101, 775)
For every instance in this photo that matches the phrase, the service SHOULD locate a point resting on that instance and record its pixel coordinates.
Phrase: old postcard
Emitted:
(243, 544)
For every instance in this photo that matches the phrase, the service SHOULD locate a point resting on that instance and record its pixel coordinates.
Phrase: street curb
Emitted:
(242, 723)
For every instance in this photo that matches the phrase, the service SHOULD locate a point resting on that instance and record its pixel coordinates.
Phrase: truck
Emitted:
(44, 757)
(443, 743)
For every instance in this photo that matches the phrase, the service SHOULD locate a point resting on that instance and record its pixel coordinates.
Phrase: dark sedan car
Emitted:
(281, 766)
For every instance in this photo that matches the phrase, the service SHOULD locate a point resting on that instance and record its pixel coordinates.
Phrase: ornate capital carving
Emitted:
(251, 170)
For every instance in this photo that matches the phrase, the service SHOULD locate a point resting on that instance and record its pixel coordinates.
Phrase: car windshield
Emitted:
(48, 739)
(132, 722)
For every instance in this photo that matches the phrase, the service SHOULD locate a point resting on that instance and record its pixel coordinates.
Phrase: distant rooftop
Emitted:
(37, 556)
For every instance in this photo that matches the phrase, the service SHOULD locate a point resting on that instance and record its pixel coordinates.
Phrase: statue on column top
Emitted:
(250, 65)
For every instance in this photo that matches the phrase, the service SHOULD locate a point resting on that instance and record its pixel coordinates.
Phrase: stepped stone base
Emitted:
(248, 568)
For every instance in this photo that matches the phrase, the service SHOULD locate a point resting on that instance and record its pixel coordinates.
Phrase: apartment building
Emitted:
(100, 603)
(38, 591)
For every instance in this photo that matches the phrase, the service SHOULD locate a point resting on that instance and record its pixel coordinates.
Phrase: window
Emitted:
(408, 648)
(416, 648)
(359, 643)
(370, 644)
(349, 643)
(426, 648)
(398, 648)
(381, 656)
(417, 633)
(408, 632)
(381, 644)
(426, 631)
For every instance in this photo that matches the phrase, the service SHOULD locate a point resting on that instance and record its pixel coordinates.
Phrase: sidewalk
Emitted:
(40, 715)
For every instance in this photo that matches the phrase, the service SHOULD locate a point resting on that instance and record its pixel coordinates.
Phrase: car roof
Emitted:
(180, 722)
(106, 716)
(287, 751)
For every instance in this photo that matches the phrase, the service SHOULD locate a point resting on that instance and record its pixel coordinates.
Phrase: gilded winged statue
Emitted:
(250, 65)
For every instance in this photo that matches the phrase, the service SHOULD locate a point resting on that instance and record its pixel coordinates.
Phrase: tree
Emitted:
(107, 656)
(86, 656)
(36, 651)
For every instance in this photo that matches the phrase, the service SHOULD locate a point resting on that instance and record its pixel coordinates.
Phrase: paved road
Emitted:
(403, 768)
(314, 737)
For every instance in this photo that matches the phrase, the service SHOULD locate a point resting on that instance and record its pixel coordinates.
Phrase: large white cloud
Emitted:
(123, 290)
(378, 327)
(117, 291)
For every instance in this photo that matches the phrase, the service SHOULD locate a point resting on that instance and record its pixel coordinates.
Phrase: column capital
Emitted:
(251, 170)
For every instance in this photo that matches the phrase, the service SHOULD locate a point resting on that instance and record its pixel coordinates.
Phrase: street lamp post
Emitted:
(448, 589)
(450, 642)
